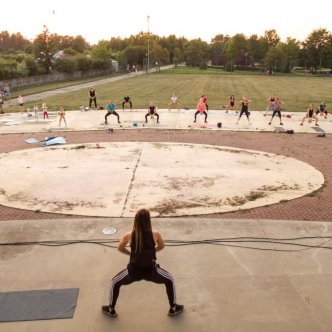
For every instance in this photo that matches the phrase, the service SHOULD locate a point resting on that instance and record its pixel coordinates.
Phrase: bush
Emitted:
(229, 66)
(83, 63)
(6, 73)
(69, 51)
(34, 67)
(203, 65)
(102, 64)
(7, 67)
(66, 64)
(22, 69)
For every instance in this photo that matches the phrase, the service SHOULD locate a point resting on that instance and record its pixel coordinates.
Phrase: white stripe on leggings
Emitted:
(168, 276)
(116, 279)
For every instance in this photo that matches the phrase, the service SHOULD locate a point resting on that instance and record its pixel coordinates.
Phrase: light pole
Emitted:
(148, 18)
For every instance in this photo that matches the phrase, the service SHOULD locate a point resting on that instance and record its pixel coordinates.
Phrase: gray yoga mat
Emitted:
(38, 304)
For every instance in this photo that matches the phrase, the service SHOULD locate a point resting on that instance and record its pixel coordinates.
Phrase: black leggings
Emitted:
(201, 113)
(152, 114)
(276, 112)
(246, 113)
(93, 99)
(156, 274)
(127, 102)
(112, 112)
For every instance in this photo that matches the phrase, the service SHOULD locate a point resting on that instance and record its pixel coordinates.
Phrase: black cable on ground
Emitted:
(238, 242)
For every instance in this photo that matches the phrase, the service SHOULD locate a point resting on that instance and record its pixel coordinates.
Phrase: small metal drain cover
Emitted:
(109, 230)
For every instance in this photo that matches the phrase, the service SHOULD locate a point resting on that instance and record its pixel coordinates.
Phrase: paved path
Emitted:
(76, 87)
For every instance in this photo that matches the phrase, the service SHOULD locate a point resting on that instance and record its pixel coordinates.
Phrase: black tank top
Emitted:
(146, 258)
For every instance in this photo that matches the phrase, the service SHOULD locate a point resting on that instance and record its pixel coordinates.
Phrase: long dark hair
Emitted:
(142, 223)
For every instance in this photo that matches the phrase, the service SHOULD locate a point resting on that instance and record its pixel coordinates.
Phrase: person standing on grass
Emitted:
(244, 109)
(144, 242)
(277, 110)
(92, 97)
(21, 103)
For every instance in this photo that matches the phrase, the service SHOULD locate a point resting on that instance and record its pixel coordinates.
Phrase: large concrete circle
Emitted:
(169, 179)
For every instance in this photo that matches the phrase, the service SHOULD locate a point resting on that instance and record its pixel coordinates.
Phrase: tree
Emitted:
(117, 44)
(236, 49)
(45, 47)
(159, 54)
(218, 50)
(102, 56)
(79, 44)
(133, 55)
(178, 56)
(256, 49)
(12, 42)
(275, 59)
(271, 37)
(101, 51)
(196, 52)
(318, 47)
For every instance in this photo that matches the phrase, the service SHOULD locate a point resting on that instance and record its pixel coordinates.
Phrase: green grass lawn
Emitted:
(296, 91)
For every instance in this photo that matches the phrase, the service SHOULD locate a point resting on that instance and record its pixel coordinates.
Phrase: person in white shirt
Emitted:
(21, 103)
(174, 102)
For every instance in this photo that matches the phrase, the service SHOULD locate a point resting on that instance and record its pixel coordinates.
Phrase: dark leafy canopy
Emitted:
(21, 57)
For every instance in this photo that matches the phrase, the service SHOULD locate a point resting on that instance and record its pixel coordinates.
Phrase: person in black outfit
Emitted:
(144, 243)
(127, 100)
(153, 112)
(310, 115)
(322, 110)
(244, 109)
(92, 97)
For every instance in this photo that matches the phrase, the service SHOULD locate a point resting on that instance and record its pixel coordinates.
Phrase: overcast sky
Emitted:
(102, 19)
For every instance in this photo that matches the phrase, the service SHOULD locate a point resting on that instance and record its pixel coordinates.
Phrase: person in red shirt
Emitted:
(204, 100)
(201, 109)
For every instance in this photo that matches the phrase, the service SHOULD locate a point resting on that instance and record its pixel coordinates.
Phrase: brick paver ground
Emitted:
(309, 148)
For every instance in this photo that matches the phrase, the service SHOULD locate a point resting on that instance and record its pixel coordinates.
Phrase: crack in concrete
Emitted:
(132, 180)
